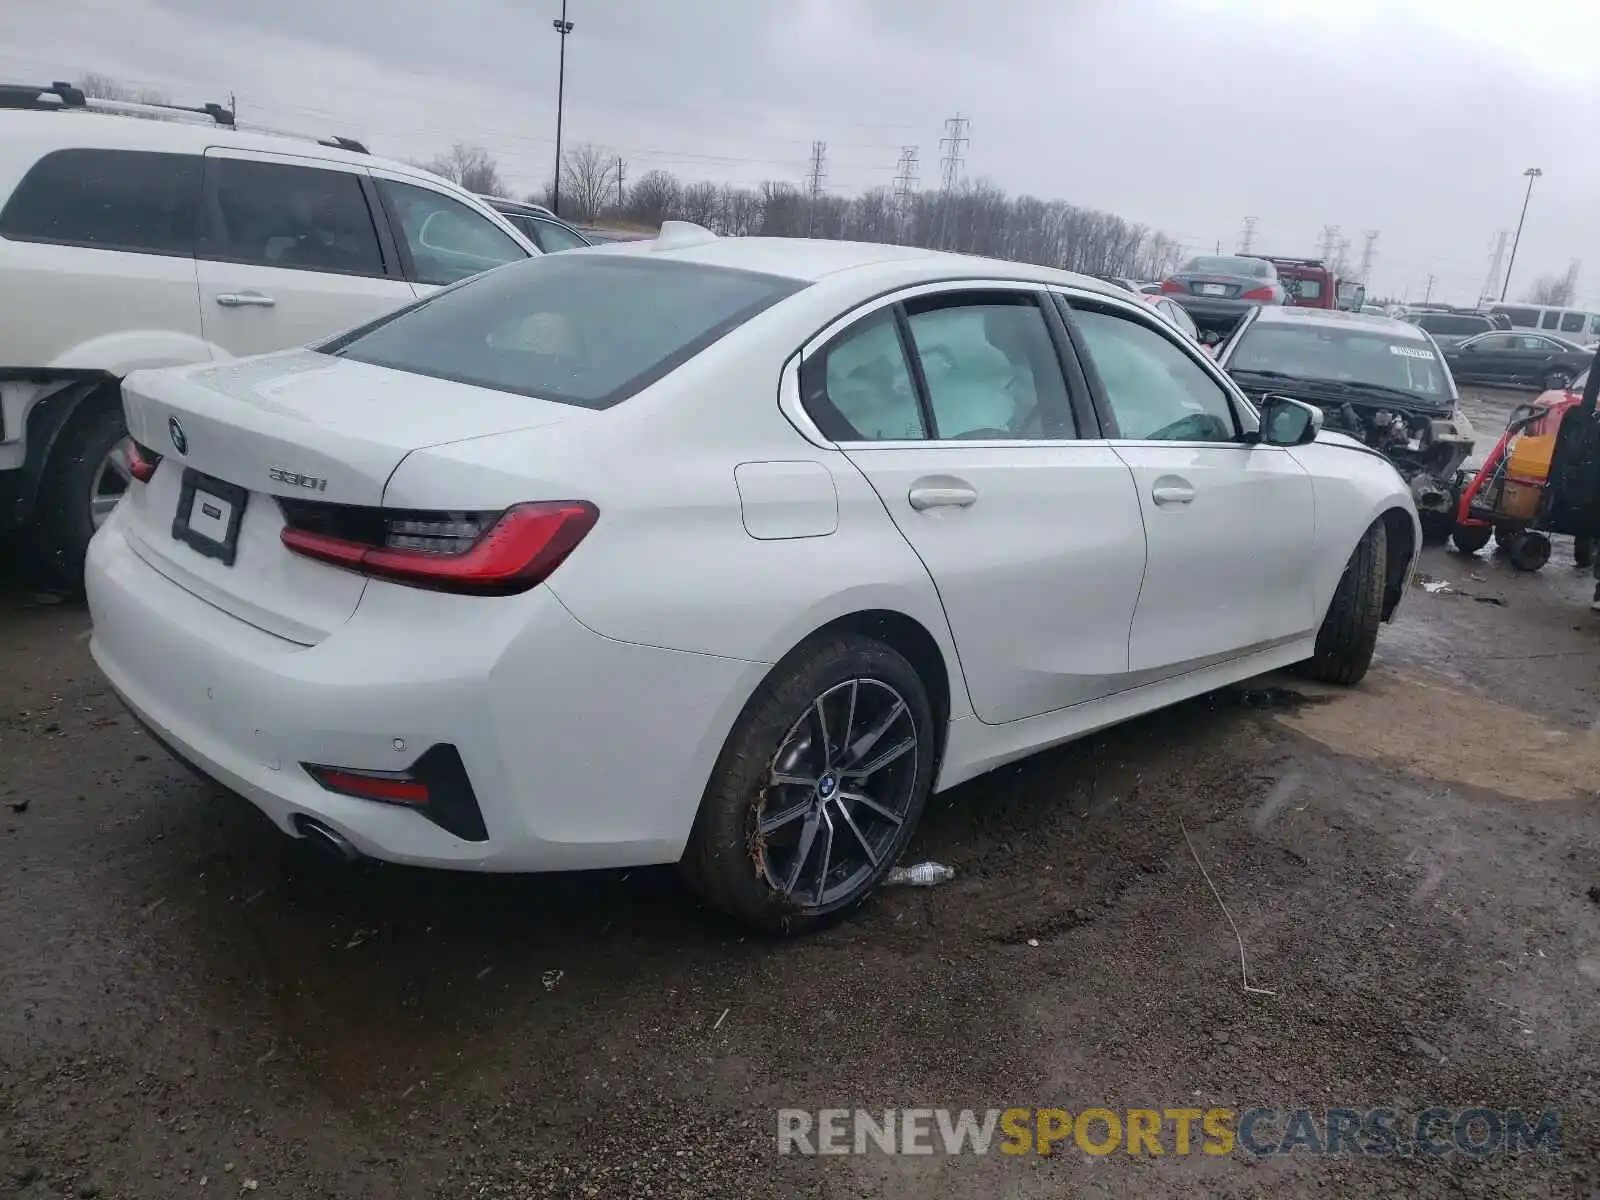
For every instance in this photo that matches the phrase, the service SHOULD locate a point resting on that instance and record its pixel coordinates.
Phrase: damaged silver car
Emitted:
(1380, 381)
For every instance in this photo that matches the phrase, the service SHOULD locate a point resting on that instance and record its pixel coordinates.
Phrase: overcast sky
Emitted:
(1412, 117)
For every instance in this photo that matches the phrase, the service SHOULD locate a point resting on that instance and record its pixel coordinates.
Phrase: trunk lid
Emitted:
(299, 425)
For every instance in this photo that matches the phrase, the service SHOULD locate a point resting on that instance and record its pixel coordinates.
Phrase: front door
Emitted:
(1229, 526)
(956, 409)
(289, 253)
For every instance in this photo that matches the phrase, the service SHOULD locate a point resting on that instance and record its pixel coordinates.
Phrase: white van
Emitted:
(1576, 324)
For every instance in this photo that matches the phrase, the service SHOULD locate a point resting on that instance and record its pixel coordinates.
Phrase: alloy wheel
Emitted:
(110, 482)
(837, 794)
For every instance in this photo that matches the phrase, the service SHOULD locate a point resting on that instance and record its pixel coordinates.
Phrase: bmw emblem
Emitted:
(826, 786)
(180, 443)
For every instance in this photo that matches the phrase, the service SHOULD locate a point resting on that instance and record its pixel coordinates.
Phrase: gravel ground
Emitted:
(194, 1006)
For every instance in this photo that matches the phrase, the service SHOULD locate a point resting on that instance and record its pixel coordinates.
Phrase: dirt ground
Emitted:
(190, 1005)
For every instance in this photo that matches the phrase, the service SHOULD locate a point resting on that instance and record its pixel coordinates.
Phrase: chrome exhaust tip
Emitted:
(325, 841)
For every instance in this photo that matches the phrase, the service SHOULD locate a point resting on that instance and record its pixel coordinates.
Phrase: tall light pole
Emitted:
(563, 27)
(1532, 173)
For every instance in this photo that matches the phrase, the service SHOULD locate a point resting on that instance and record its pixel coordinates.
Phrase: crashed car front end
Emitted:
(1427, 448)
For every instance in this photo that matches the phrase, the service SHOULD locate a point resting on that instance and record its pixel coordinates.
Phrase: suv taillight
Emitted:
(478, 553)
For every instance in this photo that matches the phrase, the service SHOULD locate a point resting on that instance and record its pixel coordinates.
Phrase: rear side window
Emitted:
(581, 329)
(1572, 322)
(109, 200)
(1550, 320)
(304, 218)
(1522, 318)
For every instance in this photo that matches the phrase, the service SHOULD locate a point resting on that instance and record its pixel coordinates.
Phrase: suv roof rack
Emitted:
(60, 95)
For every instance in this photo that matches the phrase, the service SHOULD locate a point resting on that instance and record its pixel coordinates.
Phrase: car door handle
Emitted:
(954, 494)
(245, 300)
(1171, 493)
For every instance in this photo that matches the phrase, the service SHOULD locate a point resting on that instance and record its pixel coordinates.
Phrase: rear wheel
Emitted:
(818, 788)
(1558, 380)
(86, 475)
(1529, 551)
(1469, 539)
(1349, 632)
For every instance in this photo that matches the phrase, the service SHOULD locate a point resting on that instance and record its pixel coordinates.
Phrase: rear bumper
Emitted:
(1214, 309)
(582, 751)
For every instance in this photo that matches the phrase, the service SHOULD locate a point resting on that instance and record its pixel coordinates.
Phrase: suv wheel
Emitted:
(86, 475)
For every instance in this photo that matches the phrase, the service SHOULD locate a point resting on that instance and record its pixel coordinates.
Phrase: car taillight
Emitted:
(485, 554)
(142, 461)
(1171, 285)
(1260, 293)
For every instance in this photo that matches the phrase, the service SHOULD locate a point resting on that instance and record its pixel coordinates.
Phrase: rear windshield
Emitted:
(587, 329)
(1257, 268)
(1353, 356)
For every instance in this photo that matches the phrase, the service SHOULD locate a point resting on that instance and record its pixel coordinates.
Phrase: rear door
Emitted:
(953, 402)
(290, 252)
(1230, 526)
(1486, 359)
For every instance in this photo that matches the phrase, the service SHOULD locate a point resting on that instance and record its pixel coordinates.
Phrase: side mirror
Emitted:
(1289, 422)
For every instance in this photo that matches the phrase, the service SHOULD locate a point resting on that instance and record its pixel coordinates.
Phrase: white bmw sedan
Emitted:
(720, 552)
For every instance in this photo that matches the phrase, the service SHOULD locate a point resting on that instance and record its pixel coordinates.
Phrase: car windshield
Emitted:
(1229, 265)
(1353, 356)
(587, 329)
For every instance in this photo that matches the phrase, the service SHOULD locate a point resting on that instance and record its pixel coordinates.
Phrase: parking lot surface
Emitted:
(191, 1004)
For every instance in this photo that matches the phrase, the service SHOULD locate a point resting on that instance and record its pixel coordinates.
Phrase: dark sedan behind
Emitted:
(1217, 290)
(1535, 360)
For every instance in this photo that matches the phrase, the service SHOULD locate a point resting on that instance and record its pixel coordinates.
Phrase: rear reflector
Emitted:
(436, 786)
(484, 554)
(142, 462)
(387, 787)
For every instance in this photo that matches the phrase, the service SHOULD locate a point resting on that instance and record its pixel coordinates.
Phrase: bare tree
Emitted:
(471, 167)
(702, 204)
(655, 198)
(1556, 290)
(588, 179)
(103, 87)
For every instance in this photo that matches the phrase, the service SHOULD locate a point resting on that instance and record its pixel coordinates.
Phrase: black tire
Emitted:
(1583, 552)
(728, 860)
(1436, 527)
(1350, 630)
(63, 513)
(1558, 380)
(1469, 539)
(1529, 551)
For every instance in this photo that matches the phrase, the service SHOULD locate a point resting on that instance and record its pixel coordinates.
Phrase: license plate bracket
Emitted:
(210, 512)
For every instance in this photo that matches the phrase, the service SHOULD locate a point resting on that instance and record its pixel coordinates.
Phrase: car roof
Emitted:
(506, 204)
(73, 128)
(1338, 318)
(811, 259)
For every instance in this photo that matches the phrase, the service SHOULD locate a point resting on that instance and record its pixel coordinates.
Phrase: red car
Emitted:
(1309, 282)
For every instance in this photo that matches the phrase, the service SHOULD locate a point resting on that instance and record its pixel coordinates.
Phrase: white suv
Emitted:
(144, 243)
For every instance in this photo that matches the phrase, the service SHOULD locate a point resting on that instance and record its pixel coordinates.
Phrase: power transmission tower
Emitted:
(1247, 243)
(620, 167)
(950, 147)
(1366, 256)
(1330, 239)
(905, 187)
(1429, 294)
(814, 182)
(1491, 282)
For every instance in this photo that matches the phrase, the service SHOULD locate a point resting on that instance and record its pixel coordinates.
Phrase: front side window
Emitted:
(859, 388)
(108, 200)
(305, 218)
(582, 329)
(446, 239)
(991, 368)
(1155, 391)
(1493, 343)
